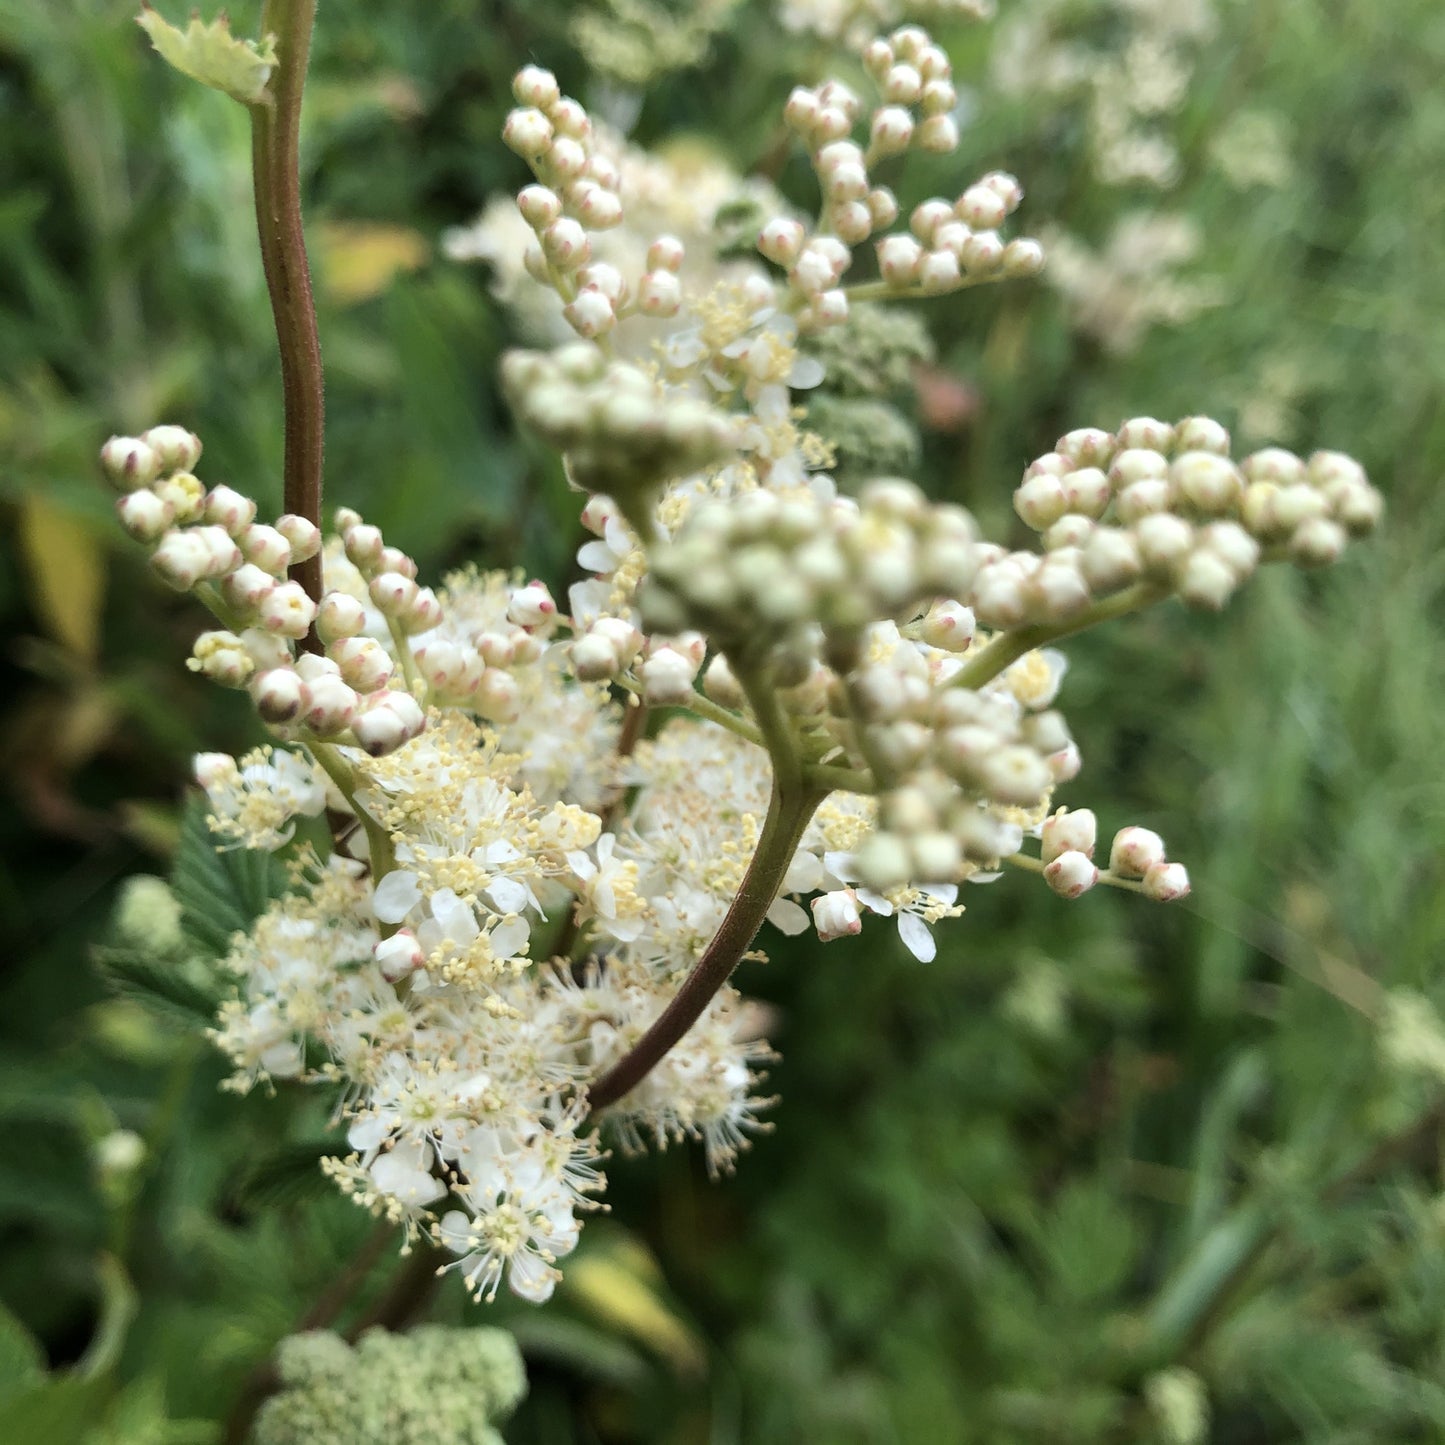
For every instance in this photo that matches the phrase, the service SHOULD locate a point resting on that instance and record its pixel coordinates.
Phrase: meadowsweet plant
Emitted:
(560, 820)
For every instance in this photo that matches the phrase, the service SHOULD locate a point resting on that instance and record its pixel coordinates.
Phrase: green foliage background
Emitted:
(1012, 1196)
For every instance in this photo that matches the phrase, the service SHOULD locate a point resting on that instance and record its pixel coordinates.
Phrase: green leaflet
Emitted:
(211, 54)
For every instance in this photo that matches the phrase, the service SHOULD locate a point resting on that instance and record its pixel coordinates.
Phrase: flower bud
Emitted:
(129, 463)
(594, 659)
(938, 134)
(667, 677)
(566, 245)
(181, 559)
(659, 293)
(539, 205)
(898, 259)
(365, 664)
(1201, 434)
(329, 705)
(1166, 882)
(265, 548)
(590, 313)
(1071, 874)
(398, 955)
(363, 544)
(852, 221)
(1015, 775)
(1163, 539)
(981, 207)
(532, 606)
(278, 694)
(1111, 559)
(286, 610)
(835, 915)
(303, 535)
(948, 625)
(1135, 851)
(228, 509)
(938, 271)
(214, 770)
(528, 132)
(891, 131)
(599, 209)
(177, 449)
(1040, 501)
(340, 615)
(1023, 257)
(246, 586)
(222, 657)
(498, 697)
(144, 515)
(380, 729)
(666, 253)
(1069, 830)
(1317, 542)
(902, 85)
(883, 861)
(185, 494)
(1204, 579)
(1208, 482)
(535, 87)
(392, 593)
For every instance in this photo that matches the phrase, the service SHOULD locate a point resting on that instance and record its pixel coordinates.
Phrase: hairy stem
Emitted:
(788, 816)
(378, 841)
(276, 169)
(1008, 647)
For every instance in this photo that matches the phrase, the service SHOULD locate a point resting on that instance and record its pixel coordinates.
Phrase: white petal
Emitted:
(597, 556)
(807, 372)
(916, 937)
(787, 917)
(510, 896)
(507, 938)
(531, 1277)
(395, 896)
(876, 901)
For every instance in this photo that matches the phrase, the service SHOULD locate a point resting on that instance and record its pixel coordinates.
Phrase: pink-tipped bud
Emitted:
(666, 253)
(938, 271)
(534, 86)
(938, 134)
(532, 606)
(831, 308)
(340, 615)
(286, 611)
(222, 657)
(177, 449)
(1071, 874)
(329, 705)
(144, 515)
(1135, 851)
(498, 697)
(600, 209)
(265, 548)
(1023, 258)
(393, 594)
(898, 259)
(590, 314)
(246, 586)
(981, 207)
(835, 915)
(1167, 882)
(364, 545)
(539, 205)
(279, 694)
(303, 535)
(227, 508)
(181, 560)
(667, 676)
(528, 132)
(781, 240)
(365, 664)
(399, 955)
(659, 293)
(566, 245)
(129, 463)
(424, 613)
(949, 626)
(214, 770)
(801, 109)
(1069, 831)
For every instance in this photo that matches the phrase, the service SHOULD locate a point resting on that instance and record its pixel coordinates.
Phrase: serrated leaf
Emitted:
(208, 52)
(158, 986)
(220, 893)
(288, 1176)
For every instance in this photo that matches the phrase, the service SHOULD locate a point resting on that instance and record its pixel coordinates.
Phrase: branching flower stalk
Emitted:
(849, 699)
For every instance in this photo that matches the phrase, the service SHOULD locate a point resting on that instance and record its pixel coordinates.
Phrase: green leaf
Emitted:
(59, 1408)
(288, 1176)
(211, 54)
(220, 893)
(160, 987)
(22, 1362)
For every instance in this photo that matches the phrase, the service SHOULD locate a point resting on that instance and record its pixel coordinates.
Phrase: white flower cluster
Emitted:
(537, 889)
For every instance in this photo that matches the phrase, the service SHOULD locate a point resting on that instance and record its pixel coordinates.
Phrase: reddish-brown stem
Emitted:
(276, 167)
(789, 813)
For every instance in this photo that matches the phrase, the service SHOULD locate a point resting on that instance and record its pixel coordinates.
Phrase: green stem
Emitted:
(276, 168)
(378, 841)
(1006, 649)
(1036, 865)
(789, 813)
(404, 655)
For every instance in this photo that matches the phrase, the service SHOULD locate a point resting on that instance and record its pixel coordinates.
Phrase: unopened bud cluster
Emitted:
(622, 431)
(1137, 854)
(762, 566)
(576, 195)
(1166, 505)
(949, 244)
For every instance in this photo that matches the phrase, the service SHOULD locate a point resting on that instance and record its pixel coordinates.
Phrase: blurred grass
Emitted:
(1090, 1141)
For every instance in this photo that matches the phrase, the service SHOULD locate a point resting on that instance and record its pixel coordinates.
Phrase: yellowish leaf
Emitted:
(211, 54)
(607, 1288)
(358, 259)
(67, 575)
